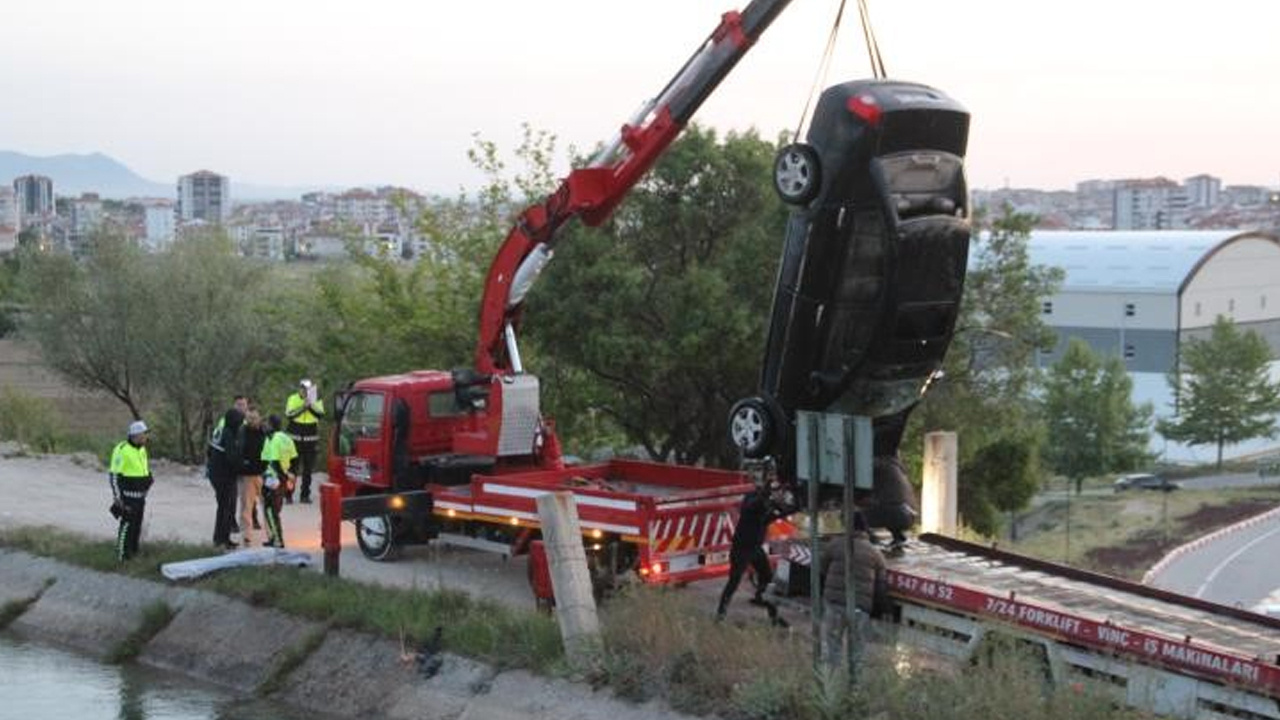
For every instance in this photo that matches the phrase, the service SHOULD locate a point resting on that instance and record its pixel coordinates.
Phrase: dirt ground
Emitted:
(71, 493)
(81, 412)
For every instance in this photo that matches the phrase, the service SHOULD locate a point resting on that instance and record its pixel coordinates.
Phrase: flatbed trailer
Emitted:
(1145, 647)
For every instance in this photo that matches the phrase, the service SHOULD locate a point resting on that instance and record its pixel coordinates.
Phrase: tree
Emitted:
(379, 315)
(656, 320)
(176, 332)
(1223, 388)
(1093, 425)
(1001, 476)
(207, 329)
(989, 373)
(87, 317)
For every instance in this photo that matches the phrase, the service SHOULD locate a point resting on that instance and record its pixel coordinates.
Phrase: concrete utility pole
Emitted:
(939, 500)
(570, 577)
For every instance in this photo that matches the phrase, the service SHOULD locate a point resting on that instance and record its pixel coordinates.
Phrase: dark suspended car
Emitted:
(873, 263)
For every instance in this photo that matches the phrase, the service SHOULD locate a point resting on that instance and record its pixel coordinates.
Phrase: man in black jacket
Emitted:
(223, 467)
(760, 508)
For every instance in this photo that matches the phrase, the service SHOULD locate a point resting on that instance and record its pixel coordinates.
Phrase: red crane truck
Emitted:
(461, 456)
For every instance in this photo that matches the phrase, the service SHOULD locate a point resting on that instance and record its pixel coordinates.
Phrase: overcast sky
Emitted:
(296, 92)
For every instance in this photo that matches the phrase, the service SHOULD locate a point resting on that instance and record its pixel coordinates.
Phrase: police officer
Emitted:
(304, 410)
(130, 480)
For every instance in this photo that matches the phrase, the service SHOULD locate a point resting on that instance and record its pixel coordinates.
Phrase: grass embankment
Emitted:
(33, 422)
(1125, 533)
(658, 644)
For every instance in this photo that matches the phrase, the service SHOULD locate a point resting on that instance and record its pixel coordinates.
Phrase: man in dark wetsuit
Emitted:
(760, 508)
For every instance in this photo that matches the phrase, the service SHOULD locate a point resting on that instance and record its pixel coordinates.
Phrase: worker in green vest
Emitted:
(130, 480)
(304, 410)
(278, 453)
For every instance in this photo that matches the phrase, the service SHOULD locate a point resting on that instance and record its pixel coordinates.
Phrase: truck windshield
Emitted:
(361, 418)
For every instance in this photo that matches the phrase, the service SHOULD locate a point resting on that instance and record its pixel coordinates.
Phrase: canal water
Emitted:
(40, 681)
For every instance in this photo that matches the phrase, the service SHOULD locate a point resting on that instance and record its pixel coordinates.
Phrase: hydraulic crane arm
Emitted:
(594, 191)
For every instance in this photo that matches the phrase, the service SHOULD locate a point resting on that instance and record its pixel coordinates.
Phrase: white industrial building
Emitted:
(1141, 294)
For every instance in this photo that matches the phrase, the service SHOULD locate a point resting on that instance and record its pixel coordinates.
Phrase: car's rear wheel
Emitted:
(796, 173)
(752, 427)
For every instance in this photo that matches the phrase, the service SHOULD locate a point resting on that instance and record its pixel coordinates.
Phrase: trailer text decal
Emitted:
(1105, 636)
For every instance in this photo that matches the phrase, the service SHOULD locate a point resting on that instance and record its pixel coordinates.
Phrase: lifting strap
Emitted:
(824, 66)
(873, 47)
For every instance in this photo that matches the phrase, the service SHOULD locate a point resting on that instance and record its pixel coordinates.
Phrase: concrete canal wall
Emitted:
(230, 643)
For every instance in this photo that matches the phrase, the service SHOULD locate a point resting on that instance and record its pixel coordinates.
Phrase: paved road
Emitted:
(1239, 568)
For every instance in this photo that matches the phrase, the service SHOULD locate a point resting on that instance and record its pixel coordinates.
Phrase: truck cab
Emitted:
(404, 432)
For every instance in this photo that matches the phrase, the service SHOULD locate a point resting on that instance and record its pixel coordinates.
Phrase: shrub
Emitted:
(28, 420)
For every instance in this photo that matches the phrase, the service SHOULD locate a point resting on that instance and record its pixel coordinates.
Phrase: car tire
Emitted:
(752, 427)
(376, 538)
(797, 174)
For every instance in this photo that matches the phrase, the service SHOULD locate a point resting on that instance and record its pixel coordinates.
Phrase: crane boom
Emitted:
(591, 193)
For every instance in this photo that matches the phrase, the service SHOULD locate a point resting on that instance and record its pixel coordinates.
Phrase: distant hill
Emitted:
(102, 174)
(76, 174)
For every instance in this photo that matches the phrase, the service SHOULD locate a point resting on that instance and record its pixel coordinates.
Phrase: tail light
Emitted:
(866, 107)
(653, 569)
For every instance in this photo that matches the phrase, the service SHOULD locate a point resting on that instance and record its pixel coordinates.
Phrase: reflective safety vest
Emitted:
(306, 417)
(278, 448)
(130, 461)
(215, 437)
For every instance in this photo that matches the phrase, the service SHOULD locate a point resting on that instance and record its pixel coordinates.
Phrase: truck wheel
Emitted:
(796, 174)
(751, 427)
(376, 537)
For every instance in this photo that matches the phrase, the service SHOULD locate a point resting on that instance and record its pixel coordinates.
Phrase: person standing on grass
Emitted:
(277, 454)
(304, 409)
(252, 440)
(869, 582)
(223, 468)
(760, 508)
(130, 480)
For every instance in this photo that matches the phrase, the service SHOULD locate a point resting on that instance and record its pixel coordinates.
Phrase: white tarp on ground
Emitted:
(188, 569)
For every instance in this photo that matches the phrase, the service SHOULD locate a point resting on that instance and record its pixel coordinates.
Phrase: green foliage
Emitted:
(87, 331)
(1225, 394)
(28, 420)
(9, 267)
(172, 333)
(1002, 476)
(1094, 427)
(985, 392)
(656, 320)
(379, 316)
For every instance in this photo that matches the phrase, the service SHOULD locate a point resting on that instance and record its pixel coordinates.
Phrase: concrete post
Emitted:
(570, 577)
(939, 506)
